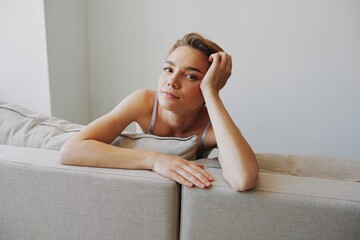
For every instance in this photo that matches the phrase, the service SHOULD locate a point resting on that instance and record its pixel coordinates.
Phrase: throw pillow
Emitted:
(184, 147)
(22, 127)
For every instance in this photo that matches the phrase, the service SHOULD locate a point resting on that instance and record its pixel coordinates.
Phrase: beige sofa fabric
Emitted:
(315, 166)
(184, 147)
(280, 207)
(22, 127)
(341, 168)
(41, 199)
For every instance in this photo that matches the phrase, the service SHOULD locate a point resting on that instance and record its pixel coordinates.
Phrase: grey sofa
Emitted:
(282, 206)
(298, 196)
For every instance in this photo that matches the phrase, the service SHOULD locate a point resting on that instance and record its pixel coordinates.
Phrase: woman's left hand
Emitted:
(218, 72)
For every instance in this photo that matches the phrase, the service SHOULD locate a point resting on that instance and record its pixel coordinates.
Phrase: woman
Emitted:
(194, 72)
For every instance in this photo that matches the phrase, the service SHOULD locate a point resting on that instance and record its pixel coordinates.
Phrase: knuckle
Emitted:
(172, 174)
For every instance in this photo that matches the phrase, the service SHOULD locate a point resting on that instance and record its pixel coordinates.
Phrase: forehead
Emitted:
(189, 57)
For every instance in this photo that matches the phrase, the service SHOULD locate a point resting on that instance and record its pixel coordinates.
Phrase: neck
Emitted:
(179, 124)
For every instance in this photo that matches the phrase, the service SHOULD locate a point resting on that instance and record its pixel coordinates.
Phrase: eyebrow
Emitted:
(186, 68)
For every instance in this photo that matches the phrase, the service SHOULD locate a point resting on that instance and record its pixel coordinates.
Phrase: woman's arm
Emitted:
(236, 157)
(91, 147)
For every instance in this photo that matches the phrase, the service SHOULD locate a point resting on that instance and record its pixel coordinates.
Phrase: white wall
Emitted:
(296, 79)
(23, 55)
(301, 76)
(43, 57)
(67, 44)
(116, 51)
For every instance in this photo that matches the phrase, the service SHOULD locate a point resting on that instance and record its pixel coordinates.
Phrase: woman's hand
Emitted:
(218, 72)
(185, 172)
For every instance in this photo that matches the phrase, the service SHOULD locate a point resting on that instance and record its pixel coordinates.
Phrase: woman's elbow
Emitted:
(66, 155)
(242, 183)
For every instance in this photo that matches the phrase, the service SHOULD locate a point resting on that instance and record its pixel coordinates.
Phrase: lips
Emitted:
(170, 94)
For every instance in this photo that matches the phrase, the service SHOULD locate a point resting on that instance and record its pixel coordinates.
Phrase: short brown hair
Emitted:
(197, 41)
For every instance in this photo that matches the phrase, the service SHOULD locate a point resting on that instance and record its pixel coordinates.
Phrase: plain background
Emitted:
(295, 86)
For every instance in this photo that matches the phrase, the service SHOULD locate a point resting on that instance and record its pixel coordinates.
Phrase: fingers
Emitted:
(191, 175)
(198, 176)
(221, 62)
(184, 172)
(221, 58)
(200, 167)
(178, 178)
(198, 164)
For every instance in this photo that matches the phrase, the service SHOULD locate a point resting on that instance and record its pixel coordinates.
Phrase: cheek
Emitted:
(195, 91)
(197, 99)
(161, 80)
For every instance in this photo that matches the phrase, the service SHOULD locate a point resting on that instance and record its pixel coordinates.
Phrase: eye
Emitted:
(191, 77)
(167, 69)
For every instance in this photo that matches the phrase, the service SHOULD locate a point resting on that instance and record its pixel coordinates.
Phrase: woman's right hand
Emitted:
(188, 173)
(218, 73)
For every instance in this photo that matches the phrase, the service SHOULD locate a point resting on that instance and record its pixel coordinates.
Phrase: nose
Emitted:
(173, 82)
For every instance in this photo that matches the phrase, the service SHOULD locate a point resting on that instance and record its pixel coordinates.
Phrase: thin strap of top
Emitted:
(153, 116)
(202, 140)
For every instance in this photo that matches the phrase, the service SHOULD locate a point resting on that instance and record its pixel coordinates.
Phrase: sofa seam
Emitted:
(41, 122)
(80, 171)
(307, 195)
(292, 194)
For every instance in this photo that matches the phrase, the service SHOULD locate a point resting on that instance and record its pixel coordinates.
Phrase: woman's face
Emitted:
(179, 81)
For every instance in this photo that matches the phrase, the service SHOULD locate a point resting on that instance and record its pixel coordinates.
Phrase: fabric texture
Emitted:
(280, 207)
(184, 147)
(22, 127)
(339, 168)
(302, 165)
(42, 199)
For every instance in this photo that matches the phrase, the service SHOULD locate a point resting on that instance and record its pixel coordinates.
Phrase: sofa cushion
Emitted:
(22, 127)
(184, 147)
(42, 199)
(305, 165)
(280, 207)
(25, 128)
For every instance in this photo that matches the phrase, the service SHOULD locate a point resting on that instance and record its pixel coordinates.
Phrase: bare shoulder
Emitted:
(142, 95)
(137, 107)
(136, 104)
(107, 127)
